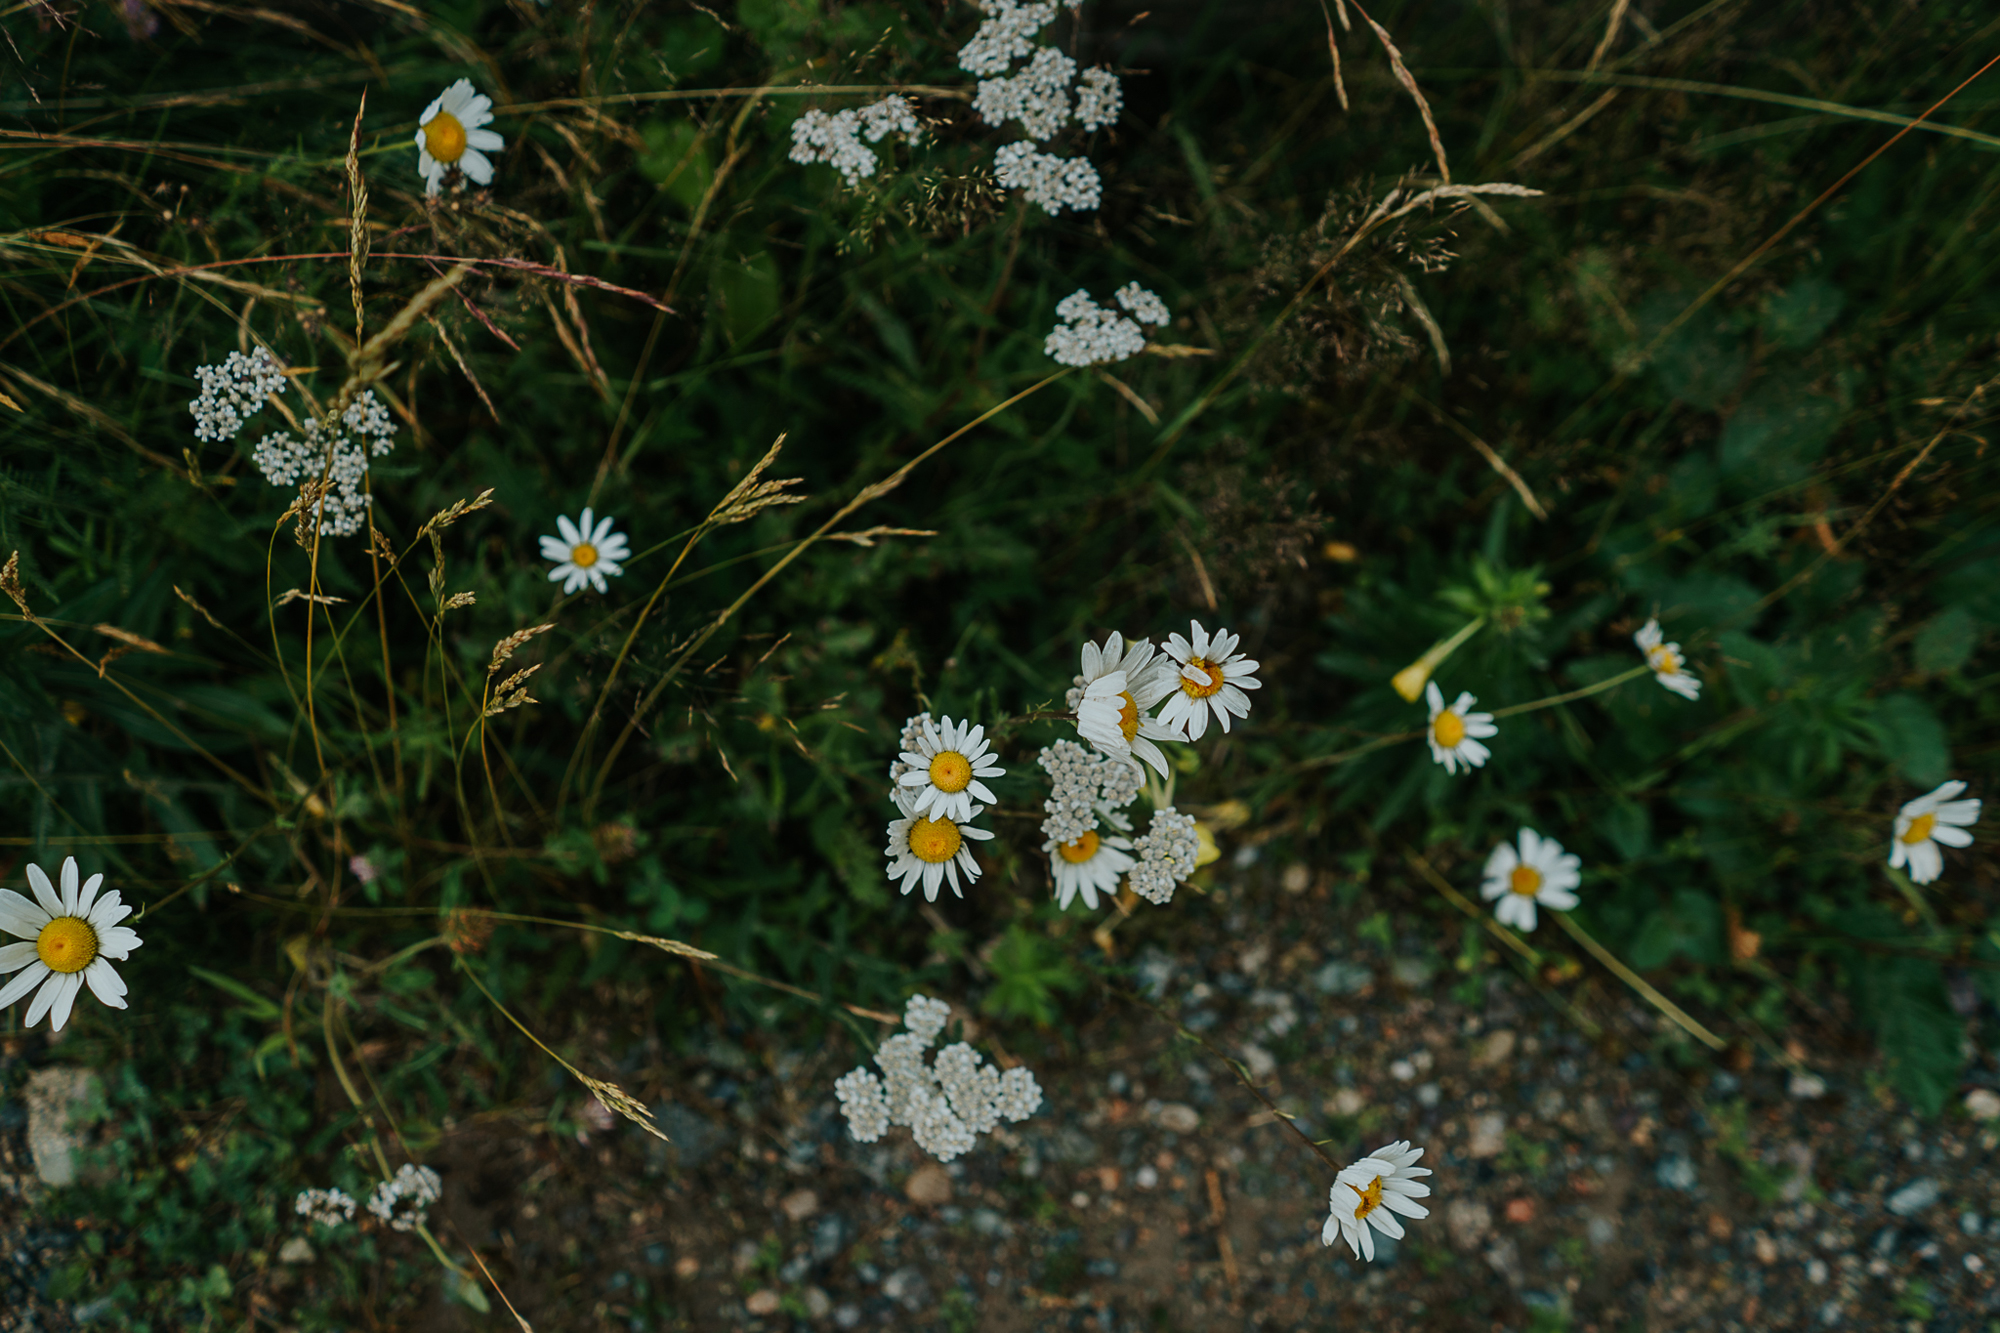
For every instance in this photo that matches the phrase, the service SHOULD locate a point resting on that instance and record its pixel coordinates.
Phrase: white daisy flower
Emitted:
(931, 849)
(1213, 678)
(75, 934)
(1669, 667)
(1089, 864)
(945, 766)
(585, 553)
(1920, 826)
(1454, 734)
(449, 136)
(1541, 872)
(1118, 685)
(1370, 1193)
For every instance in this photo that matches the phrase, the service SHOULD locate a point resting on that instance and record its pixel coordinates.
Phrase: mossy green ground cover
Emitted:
(1790, 468)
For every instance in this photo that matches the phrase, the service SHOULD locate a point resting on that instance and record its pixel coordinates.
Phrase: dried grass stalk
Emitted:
(357, 214)
(666, 945)
(1409, 82)
(752, 496)
(10, 583)
(505, 648)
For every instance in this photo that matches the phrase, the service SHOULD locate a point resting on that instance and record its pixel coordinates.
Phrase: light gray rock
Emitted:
(1914, 1197)
(1675, 1172)
(55, 1098)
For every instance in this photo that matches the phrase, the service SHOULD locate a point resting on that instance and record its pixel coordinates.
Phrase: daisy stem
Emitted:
(1471, 909)
(1638, 983)
(1584, 693)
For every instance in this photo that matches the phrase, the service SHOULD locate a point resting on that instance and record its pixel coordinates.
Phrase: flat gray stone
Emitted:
(55, 1096)
(1914, 1197)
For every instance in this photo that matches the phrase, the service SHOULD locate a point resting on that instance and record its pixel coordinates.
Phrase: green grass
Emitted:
(1794, 473)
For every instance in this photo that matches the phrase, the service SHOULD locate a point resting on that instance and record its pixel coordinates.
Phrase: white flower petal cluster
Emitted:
(948, 1104)
(837, 138)
(1092, 335)
(401, 1202)
(1167, 852)
(1366, 1197)
(329, 1208)
(1212, 680)
(587, 551)
(449, 136)
(1099, 98)
(913, 732)
(1038, 96)
(1541, 872)
(1114, 695)
(1454, 733)
(932, 849)
(340, 455)
(944, 767)
(1006, 34)
(1933, 818)
(1086, 788)
(1051, 183)
(232, 391)
(66, 942)
(1668, 664)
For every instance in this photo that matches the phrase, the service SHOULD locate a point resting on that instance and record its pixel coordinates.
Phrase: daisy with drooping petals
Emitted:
(1454, 734)
(585, 554)
(945, 766)
(449, 136)
(931, 849)
(1669, 667)
(1213, 677)
(1541, 872)
(74, 936)
(1369, 1194)
(1922, 824)
(1119, 684)
(1089, 864)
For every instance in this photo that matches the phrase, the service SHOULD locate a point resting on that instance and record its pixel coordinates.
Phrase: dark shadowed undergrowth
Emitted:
(1678, 383)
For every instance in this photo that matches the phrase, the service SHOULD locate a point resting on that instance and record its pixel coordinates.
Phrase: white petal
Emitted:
(24, 983)
(108, 911)
(18, 916)
(1951, 835)
(1480, 726)
(554, 549)
(1899, 851)
(477, 167)
(1385, 1221)
(105, 983)
(118, 942)
(1560, 899)
(486, 139)
(69, 886)
(604, 526)
(14, 957)
(1926, 862)
(45, 892)
(611, 569)
(88, 895)
(1397, 1203)
(1434, 697)
(571, 537)
(45, 997)
(1958, 812)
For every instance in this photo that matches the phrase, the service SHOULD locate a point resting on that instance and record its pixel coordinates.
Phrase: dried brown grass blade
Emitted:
(1611, 26)
(750, 496)
(131, 640)
(506, 647)
(463, 368)
(1333, 49)
(1409, 82)
(357, 214)
(10, 583)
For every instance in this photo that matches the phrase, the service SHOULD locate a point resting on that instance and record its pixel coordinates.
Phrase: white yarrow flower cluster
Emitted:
(339, 455)
(1085, 788)
(1167, 852)
(232, 391)
(1092, 335)
(1099, 98)
(946, 1105)
(1051, 183)
(837, 139)
(1038, 96)
(329, 1208)
(1006, 34)
(401, 1202)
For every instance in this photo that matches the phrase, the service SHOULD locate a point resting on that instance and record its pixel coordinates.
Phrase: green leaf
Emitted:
(1947, 641)
(1913, 739)
(260, 1006)
(1027, 971)
(1919, 1034)
(1799, 314)
(676, 158)
(745, 291)
(1690, 926)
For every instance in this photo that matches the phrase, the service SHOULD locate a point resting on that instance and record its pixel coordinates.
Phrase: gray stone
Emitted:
(906, 1287)
(1339, 978)
(1412, 972)
(295, 1251)
(818, 1303)
(1914, 1197)
(829, 1237)
(1179, 1117)
(1468, 1222)
(1601, 1230)
(56, 1098)
(693, 1139)
(1489, 1135)
(1675, 1172)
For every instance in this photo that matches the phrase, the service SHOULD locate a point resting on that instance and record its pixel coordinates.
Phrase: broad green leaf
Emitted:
(1947, 641)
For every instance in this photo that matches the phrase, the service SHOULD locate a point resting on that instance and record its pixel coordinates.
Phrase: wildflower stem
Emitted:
(1638, 983)
(866, 494)
(1584, 693)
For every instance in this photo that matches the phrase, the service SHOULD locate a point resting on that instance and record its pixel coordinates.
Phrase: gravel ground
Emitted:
(1587, 1182)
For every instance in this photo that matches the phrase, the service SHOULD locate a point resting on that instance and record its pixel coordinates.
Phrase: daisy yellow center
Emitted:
(1524, 880)
(1076, 853)
(1664, 660)
(950, 771)
(1128, 717)
(1371, 1199)
(444, 137)
(1919, 829)
(934, 840)
(1449, 728)
(583, 555)
(1213, 670)
(67, 944)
